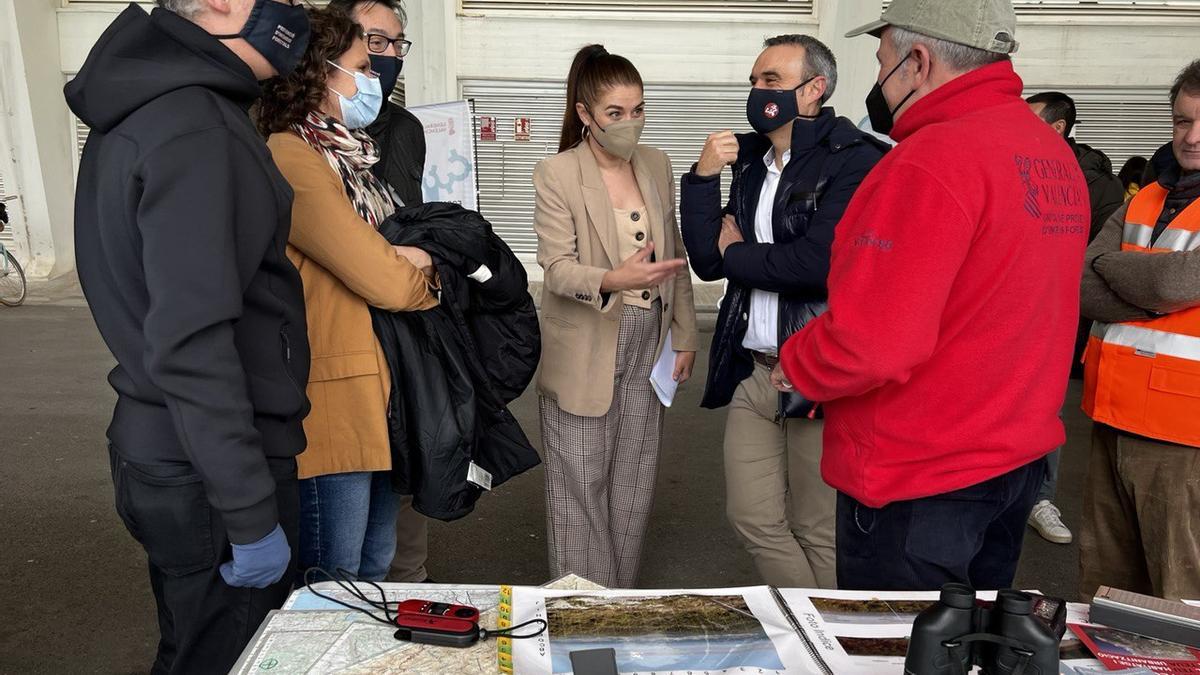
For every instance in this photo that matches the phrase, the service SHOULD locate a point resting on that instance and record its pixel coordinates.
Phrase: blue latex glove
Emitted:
(260, 564)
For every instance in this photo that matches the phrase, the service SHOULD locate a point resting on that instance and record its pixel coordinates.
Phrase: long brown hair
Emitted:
(288, 100)
(593, 72)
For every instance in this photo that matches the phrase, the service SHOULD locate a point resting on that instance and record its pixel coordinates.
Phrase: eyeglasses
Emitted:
(378, 44)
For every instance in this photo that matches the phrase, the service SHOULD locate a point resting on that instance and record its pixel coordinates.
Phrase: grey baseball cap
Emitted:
(990, 25)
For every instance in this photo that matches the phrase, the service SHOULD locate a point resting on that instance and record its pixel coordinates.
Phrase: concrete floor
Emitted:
(75, 597)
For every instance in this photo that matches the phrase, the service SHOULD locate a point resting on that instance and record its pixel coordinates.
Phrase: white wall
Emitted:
(38, 127)
(668, 48)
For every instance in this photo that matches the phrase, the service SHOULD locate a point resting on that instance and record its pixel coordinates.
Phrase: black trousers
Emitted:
(204, 623)
(973, 536)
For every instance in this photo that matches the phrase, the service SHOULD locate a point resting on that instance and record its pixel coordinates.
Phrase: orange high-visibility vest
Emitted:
(1143, 377)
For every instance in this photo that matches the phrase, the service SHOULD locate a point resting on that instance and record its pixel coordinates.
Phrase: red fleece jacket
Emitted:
(954, 297)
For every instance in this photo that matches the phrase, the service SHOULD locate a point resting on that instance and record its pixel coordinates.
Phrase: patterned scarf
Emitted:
(351, 153)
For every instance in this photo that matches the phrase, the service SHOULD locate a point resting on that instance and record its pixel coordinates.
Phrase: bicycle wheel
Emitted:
(12, 281)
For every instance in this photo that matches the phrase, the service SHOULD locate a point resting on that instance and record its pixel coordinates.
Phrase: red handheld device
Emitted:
(438, 609)
(436, 630)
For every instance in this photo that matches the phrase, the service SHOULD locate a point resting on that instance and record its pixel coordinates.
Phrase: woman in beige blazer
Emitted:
(616, 285)
(348, 510)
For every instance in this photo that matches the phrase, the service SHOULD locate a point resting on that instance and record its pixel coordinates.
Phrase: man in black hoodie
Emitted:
(181, 220)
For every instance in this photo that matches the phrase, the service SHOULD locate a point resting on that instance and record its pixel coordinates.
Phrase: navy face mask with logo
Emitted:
(769, 109)
(389, 68)
(278, 31)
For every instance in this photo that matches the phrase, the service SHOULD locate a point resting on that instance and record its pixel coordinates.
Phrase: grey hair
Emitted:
(957, 57)
(818, 59)
(188, 9)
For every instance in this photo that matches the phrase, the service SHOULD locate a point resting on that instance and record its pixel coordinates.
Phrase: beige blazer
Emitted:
(577, 244)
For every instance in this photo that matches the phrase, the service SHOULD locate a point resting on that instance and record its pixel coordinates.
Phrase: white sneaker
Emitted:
(1047, 520)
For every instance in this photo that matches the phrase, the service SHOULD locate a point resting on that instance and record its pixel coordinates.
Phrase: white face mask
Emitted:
(360, 110)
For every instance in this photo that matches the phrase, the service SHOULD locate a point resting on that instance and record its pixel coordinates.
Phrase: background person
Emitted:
(187, 280)
(1141, 283)
(315, 120)
(616, 281)
(1106, 195)
(792, 179)
(399, 134)
(1104, 189)
(1131, 174)
(943, 359)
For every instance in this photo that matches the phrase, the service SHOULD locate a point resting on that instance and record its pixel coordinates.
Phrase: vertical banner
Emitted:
(449, 153)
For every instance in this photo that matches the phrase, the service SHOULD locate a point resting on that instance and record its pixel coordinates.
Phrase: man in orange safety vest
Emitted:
(1141, 284)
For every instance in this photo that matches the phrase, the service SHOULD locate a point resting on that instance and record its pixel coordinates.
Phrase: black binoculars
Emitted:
(1018, 634)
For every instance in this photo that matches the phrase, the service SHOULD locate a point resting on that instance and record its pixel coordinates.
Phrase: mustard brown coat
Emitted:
(346, 266)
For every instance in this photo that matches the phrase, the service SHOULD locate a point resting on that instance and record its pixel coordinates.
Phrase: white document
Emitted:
(676, 632)
(662, 377)
(867, 633)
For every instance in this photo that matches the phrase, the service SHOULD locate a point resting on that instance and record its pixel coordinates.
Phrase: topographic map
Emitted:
(312, 635)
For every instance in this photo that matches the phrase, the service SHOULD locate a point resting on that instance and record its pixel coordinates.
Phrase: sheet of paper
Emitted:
(662, 377)
(867, 633)
(732, 630)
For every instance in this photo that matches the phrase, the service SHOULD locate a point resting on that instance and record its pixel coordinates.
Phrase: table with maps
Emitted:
(313, 635)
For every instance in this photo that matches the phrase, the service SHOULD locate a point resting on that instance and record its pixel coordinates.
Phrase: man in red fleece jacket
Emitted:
(943, 360)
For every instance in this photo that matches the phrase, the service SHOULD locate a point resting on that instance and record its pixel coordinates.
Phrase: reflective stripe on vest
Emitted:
(1144, 376)
(1148, 342)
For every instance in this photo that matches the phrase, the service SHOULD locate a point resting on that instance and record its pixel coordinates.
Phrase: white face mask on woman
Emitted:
(360, 110)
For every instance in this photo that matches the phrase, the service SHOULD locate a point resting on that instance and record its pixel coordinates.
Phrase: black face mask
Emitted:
(883, 115)
(277, 31)
(769, 109)
(389, 68)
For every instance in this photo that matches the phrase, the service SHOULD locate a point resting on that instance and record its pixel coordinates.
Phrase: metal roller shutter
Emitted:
(81, 136)
(1121, 122)
(398, 94)
(678, 120)
(645, 6)
(1105, 8)
(7, 235)
(80, 132)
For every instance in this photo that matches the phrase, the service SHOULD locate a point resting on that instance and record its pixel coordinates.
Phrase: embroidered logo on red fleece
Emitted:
(871, 240)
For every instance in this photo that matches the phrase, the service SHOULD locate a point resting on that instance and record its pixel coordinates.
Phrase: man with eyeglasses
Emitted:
(400, 135)
(401, 139)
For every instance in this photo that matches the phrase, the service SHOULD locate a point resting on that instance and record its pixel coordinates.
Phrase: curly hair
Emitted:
(287, 100)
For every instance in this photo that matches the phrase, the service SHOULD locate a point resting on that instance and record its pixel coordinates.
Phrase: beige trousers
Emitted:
(412, 545)
(776, 500)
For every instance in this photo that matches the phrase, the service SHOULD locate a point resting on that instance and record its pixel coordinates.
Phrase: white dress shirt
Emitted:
(762, 333)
